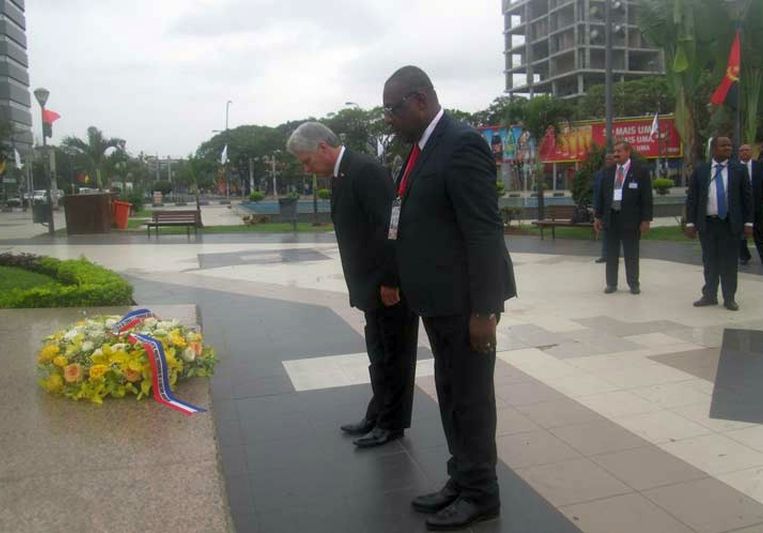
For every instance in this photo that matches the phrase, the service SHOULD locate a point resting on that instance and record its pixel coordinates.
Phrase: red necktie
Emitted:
(414, 155)
(620, 177)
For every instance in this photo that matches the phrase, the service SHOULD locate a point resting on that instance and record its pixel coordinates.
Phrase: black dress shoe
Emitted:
(600, 260)
(702, 302)
(635, 290)
(358, 428)
(609, 289)
(377, 437)
(731, 305)
(460, 514)
(435, 501)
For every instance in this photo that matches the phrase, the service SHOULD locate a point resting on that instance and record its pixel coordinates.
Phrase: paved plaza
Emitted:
(616, 413)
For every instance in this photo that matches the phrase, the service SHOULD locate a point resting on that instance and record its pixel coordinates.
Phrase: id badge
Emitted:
(394, 220)
(618, 197)
(633, 185)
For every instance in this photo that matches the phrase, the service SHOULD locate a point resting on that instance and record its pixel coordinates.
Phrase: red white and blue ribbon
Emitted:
(160, 375)
(131, 319)
(159, 369)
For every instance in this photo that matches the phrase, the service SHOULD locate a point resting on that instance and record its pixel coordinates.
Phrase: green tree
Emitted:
(92, 152)
(644, 96)
(689, 32)
(508, 110)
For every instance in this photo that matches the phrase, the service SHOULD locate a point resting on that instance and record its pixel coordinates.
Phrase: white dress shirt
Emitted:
(338, 161)
(624, 168)
(712, 194)
(428, 132)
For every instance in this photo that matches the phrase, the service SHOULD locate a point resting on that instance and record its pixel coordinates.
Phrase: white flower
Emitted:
(69, 336)
(119, 346)
(110, 322)
(167, 324)
(87, 346)
(97, 352)
(188, 355)
(150, 322)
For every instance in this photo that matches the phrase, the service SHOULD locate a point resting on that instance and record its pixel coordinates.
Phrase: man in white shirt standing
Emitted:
(624, 210)
(755, 173)
(719, 208)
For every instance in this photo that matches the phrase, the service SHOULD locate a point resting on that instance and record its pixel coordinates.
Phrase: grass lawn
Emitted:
(18, 278)
(663, 233)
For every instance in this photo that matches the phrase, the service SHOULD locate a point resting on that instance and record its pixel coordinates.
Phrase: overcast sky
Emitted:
(159, 72)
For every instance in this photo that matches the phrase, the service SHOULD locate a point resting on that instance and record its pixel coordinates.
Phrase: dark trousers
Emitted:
(744, 251)
(391, 339)
(603, 237)
(466, 394)
(720, 254)
(629, 238)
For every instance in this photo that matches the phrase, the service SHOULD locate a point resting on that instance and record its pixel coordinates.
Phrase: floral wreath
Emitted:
(138, 354)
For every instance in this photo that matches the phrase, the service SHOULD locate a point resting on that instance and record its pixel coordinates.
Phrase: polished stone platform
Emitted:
(127, 466)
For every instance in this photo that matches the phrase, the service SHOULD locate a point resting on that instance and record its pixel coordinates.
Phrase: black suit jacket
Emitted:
(637, 203)
(451, 255)
(757, 193)
(361, 200)
(739, 196)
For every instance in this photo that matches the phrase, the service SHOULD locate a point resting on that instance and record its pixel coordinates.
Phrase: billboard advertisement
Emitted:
(573, 141)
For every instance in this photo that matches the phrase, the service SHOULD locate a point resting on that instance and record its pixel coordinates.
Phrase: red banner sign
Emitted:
(574, 141)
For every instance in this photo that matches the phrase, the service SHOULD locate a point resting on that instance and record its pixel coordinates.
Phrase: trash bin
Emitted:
(88, 213)
(121, 213)
(40, 213)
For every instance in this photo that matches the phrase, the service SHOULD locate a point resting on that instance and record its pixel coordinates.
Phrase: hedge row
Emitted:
(81, 283)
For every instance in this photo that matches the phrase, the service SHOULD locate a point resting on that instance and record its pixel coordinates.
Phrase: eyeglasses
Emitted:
(394, 108)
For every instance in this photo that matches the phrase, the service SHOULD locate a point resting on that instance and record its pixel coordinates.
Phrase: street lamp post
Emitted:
(608, 73)
(273, 171)
(41, 95)
(738, 9)
(225, 165)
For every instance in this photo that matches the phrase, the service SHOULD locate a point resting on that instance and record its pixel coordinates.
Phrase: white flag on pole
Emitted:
(224, 155)
(17, 158)
(654, 133)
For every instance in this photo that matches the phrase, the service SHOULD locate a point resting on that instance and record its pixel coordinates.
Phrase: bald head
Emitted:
(410, 78)
(410, 102)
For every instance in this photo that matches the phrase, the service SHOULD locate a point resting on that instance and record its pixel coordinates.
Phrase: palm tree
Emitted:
(688, 31)
(93, 151)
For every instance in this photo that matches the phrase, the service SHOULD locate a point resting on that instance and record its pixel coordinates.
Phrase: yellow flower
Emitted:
(47, 353)
(119, 357)
(132, 375)
(53, 383)
(176, 338)
(73, 373)
(97, 371)
(60, 360)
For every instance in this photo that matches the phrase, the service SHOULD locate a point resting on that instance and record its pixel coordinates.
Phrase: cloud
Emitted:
(159, 73)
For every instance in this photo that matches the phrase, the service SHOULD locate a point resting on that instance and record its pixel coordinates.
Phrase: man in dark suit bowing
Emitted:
(755, 173)
(361, 198)
(456, 272)
(624, 209)
(719, 208)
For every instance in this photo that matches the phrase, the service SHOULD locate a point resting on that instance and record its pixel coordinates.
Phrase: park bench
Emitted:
(182, 217)
(561, 216)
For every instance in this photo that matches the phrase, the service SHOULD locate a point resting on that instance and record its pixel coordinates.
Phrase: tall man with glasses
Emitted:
(719, 208)
(361, 197)
(624, 209)
(456, 272)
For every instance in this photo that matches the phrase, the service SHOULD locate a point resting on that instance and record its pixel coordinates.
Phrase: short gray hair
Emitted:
(309, 135)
